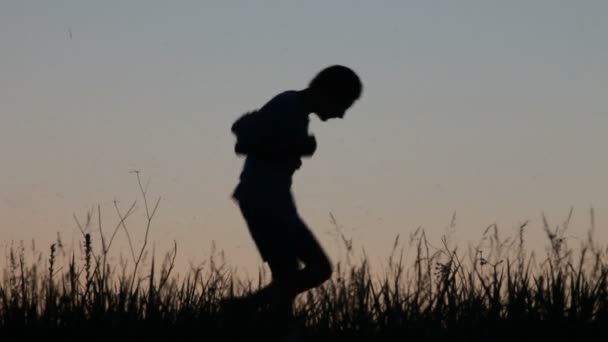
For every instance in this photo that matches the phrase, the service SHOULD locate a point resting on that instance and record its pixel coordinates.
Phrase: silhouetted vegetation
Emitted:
(496, 290)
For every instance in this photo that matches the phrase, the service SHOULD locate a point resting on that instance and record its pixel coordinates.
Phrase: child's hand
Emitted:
(309, 147)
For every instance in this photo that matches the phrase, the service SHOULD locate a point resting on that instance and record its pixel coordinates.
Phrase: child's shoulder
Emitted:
(287, 98)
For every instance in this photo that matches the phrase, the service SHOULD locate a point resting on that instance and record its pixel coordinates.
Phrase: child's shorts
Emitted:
(275, 225)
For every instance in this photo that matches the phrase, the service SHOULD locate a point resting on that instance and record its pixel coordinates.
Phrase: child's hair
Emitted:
(339, 81)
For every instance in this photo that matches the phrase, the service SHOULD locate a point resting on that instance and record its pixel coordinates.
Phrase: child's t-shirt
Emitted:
(283, 120)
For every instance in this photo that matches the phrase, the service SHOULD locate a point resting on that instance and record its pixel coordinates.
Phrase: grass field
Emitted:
(495, 291)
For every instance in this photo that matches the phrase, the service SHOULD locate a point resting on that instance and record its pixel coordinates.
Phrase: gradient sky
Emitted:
(495, 110)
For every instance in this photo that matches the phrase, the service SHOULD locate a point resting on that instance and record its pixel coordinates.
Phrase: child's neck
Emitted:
(307, 100)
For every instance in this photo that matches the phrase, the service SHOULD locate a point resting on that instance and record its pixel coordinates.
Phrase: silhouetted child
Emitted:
(274, 139)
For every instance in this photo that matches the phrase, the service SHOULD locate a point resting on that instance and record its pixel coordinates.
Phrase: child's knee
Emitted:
(325, 270)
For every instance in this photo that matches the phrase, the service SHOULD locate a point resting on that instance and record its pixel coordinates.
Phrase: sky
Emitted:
(495, 111)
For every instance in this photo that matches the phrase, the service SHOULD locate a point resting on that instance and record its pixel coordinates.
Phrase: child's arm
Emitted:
(246, 133)
(255, 136)
(302, 147)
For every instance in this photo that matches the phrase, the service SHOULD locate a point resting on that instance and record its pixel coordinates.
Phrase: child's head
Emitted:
(333, 90)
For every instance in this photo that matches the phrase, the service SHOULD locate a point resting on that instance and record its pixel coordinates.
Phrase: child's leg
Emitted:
(288, 280)
(282, 299)
(271, 238)
(278, 291)
(283, 238)
(317, 266)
